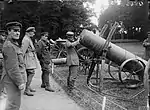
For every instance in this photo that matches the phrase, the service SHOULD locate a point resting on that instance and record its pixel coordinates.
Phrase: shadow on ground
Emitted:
(118, 97)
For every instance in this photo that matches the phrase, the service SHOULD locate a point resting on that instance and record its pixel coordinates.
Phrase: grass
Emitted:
(116, 93)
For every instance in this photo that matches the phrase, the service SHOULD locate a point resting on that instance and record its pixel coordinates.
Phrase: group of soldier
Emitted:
(18, 62)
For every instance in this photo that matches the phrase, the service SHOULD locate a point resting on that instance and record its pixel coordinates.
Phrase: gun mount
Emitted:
(127, 61)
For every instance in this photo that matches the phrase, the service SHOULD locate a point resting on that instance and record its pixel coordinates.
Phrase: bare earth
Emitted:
(59, 100)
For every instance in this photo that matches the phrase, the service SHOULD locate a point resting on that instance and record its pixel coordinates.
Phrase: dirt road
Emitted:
(44, 100)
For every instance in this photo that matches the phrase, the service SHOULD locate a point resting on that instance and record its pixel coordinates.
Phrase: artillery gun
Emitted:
(98, 51)
(93, 48)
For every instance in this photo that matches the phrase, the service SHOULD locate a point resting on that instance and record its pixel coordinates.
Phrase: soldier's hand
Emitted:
(22, 87)
(78, 40)
(146, 44)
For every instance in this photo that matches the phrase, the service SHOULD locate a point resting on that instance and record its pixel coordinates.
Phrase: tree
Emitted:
(56, 17)
(131, 15)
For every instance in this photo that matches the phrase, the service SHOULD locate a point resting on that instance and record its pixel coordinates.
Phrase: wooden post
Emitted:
(146, 82)
(104, 103)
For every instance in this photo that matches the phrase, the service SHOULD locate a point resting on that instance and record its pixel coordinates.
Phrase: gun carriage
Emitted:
(99, 55)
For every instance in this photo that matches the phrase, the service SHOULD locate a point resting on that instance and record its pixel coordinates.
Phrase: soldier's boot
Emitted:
(27, 90)
(43, 85)
(70, 85)
(1, 94)
(68, 82)
(43, 82)
(32, 90)
(1, 89)
(48, 88)
(47, 85)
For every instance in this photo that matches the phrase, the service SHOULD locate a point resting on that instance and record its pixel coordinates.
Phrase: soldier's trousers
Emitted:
(13, 95)
(1, 70)
(45, 77)
(30, 74)
(1, 85)
(73, 72)
(45, 74)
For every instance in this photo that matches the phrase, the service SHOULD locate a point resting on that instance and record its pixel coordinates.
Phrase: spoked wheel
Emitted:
(130, 71)
(113, 70)
(59, 51)
(85, 56)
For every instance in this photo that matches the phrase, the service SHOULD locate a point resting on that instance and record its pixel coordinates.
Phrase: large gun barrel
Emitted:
(115, 53)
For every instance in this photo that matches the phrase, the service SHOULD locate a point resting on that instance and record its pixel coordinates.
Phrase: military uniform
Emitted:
(2, 39)
(146, 44)
(14, 70)
(43, 54)
(30, 60)
(72, 62)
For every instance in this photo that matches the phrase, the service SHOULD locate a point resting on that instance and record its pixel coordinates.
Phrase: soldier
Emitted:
(72, 59)
(14, 76)
(3, 35)
(43, 54)
(146, 44)
(2, 40)
(29, 58)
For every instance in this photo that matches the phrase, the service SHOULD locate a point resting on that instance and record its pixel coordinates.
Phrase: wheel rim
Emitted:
(113, 70)
(59, 51)
(131, 75)
(86, 54)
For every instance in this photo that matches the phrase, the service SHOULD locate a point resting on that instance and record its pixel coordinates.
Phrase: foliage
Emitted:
(132, 16)
(56, 17)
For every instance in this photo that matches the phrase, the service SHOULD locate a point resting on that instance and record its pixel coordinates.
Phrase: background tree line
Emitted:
(58, 17)
(132, 13)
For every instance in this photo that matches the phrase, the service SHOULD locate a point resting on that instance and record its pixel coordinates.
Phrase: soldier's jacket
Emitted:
(72, 56)
(14, 67)
(1, 45)
(29, 53)
(146, 44)
(1, 56)
(43, 51)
